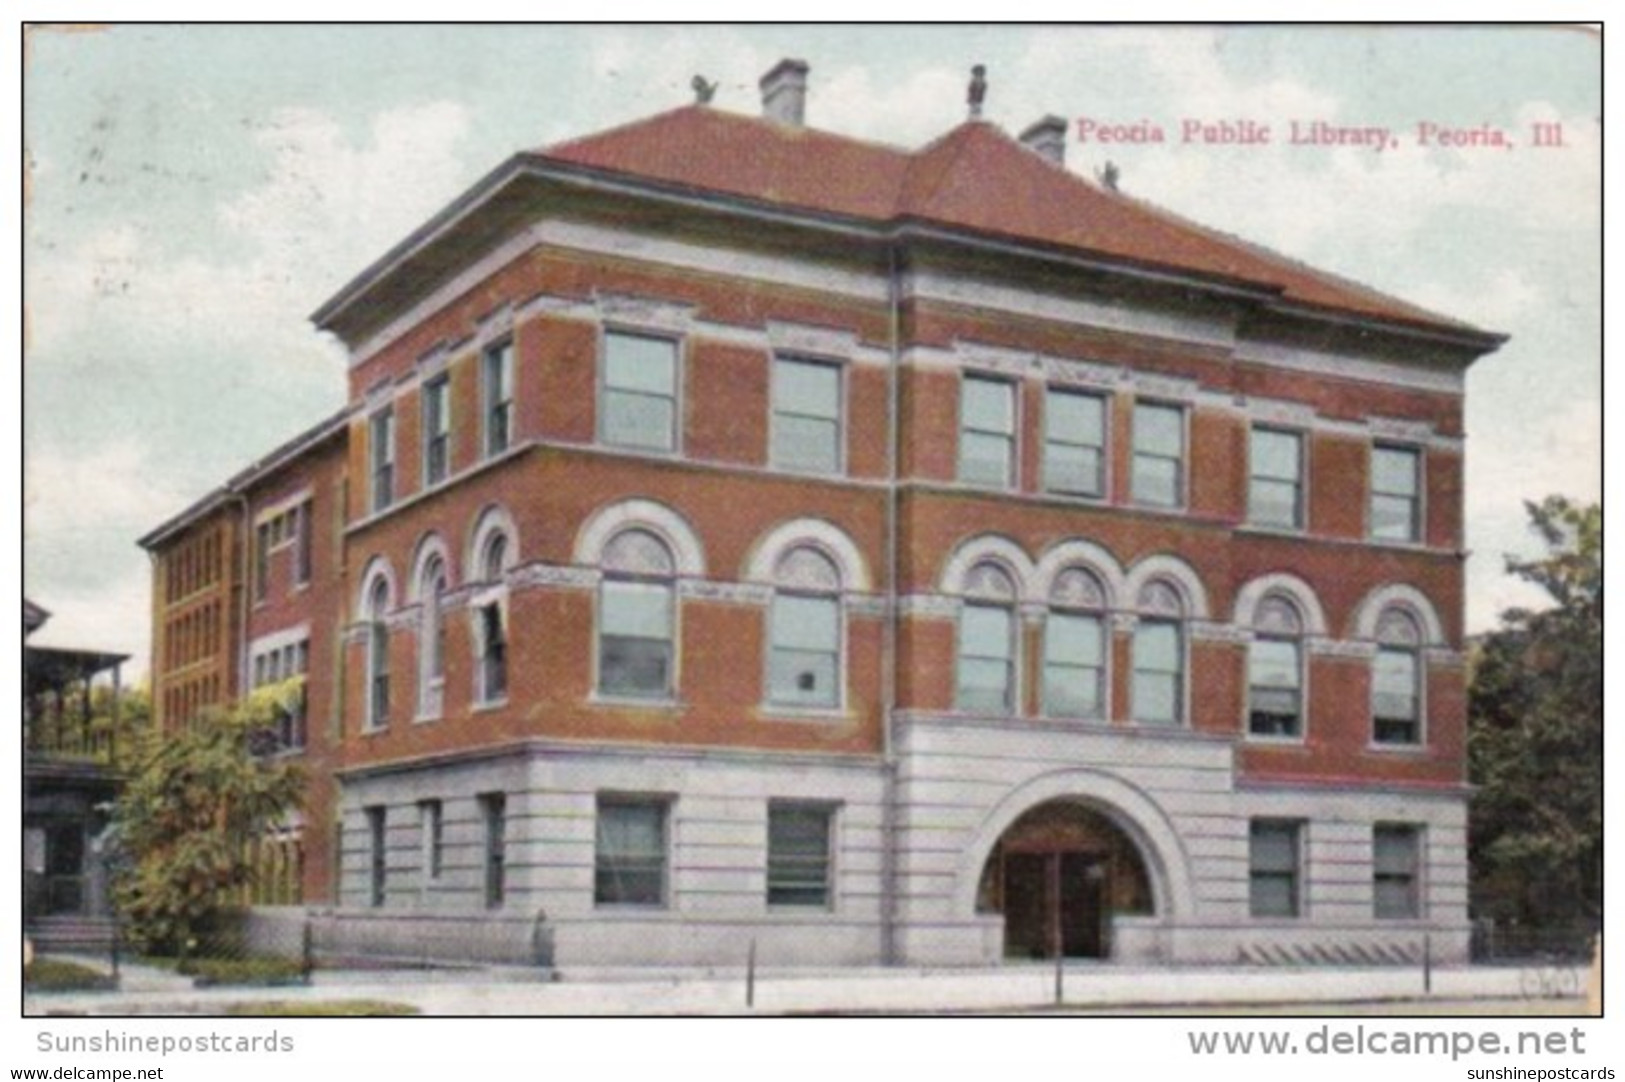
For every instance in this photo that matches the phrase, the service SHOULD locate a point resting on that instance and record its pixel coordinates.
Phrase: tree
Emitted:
(1535, 735)
(183, 824)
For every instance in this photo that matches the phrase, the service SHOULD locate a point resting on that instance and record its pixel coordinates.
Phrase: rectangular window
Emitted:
(436, 430)
(1275, 478)
(986, 670)
(635, 640)
(383, 459)
(431, 828)
(1396, 852)
(799, 838)
(1274, 688)
(262, 561)
(1272, 868)
(806, 416)
(378, 671)
(1074, 442)
(805, 654)
(987, 431)
(1074, 666)
(377, 861)
(1395, 697)
(304, 536)
(640, 392)
(494, 814)
(1396, 488)
(1159, 673)
(494, 654)
(496, 382)
(629, 866)
(1159, 455)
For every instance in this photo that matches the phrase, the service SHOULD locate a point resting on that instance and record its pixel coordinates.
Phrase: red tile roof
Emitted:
(973, 178)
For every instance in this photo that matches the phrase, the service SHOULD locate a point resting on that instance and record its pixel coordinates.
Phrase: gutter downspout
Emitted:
(889, 953)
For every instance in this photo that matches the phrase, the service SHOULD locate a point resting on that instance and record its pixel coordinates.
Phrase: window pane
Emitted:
(1393, 518)
(806, 623)
(641, 610)
(1274, 847)
(1394, 673)
(1395, 899)
(1072, 639)
(1272, 503)
(630, 865)
(1275, 455)
(1393, 471)
(806, 388)
(1274, 896)
(806, 443)
(1068, 468)
(636, 668)
(1075, 418)
(1273, 663)
(988, 405)
(1156, 698)
(1156, 647)
(984, 459)
(638, 420)
(1072, 691)
(1159, 430)
(983, 685)
(803, 678)
(638, 363)
(1156, 481)
(798, 855)
(1394, 850)
(984, 631)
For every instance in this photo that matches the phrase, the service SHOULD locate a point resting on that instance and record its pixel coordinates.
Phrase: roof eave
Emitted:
(540, 166)
(251, 474)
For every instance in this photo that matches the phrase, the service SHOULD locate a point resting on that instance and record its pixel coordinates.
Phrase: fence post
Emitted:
(307, 949)
(1427, 964)
(118, 933)
(750, 976)
(1060, 976)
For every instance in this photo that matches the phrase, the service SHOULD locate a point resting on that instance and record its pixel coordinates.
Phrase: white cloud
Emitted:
(112, 614)
(113, 486)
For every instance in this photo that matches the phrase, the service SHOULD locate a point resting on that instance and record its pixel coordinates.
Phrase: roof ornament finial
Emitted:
(978, 90)
(1109, 176)
(703, 91)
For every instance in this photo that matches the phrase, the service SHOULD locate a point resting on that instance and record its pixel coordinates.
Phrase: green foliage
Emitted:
(194, 801)
(243, 970)
(57, 975)
(316, 1008)
(1535, 735)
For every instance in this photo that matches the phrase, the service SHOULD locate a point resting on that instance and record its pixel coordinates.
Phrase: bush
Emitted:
(209, 971)
(55, 975)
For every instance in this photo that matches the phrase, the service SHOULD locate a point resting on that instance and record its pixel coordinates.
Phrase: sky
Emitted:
(195, 192)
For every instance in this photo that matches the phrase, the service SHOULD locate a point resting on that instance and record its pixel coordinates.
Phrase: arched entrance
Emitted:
(1058, 874)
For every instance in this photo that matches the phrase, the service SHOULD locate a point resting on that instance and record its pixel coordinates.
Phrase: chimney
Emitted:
(1047, 138)
(784, 92)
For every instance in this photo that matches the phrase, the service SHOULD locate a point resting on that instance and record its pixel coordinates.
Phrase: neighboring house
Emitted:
(70, 777)
(743, 533)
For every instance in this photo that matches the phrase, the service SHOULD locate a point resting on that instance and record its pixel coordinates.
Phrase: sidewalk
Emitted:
(509, 993)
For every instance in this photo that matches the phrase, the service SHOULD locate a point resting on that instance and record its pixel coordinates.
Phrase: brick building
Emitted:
(740, 532)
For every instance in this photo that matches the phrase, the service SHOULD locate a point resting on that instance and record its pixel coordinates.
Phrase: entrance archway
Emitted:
(1058, 874)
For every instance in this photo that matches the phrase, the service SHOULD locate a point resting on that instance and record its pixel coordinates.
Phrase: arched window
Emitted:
(1075, 638)
(1396, 679)
(1158, 690)
(491, 622)
(637, 617)
(804, 634)
(432, 638)
(1275, 703)
(986, 672)
(378, 655)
